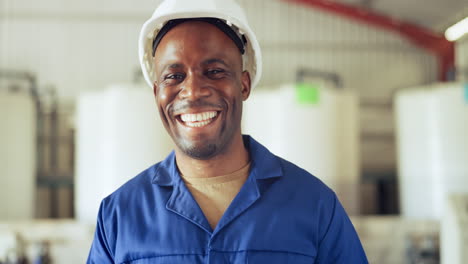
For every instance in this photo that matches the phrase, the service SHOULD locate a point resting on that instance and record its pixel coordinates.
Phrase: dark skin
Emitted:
(199, 71)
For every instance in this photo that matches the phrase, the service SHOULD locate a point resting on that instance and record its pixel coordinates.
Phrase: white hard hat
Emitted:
(227, 10)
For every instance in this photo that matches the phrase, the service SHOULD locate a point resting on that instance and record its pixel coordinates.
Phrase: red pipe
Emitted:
(436, 43)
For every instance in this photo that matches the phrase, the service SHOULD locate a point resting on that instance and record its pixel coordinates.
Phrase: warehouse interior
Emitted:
(370, 96)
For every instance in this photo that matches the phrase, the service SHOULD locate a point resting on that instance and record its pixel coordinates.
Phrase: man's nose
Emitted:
(195, 87)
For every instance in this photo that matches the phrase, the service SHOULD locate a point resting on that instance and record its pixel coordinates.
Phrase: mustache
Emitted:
(184, 105)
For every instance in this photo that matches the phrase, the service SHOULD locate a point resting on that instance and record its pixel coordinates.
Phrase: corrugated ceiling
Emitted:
(433, 14)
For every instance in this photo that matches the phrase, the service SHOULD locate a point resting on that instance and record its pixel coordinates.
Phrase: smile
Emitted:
(198, 119)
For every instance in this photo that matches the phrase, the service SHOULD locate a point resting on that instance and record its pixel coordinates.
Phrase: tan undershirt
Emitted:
(215, 194)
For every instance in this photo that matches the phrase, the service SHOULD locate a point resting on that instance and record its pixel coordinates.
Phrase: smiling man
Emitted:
(199, 87)
(220, 197)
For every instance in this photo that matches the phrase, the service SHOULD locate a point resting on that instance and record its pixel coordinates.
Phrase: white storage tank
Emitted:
(317, 130)
(432, 129)
(119, 134)
(17, 156)
(454, 230)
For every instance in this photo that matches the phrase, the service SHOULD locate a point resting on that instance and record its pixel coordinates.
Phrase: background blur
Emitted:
(367, 95)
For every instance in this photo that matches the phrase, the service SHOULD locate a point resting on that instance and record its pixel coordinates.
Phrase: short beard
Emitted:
(200, 153)
(207, 150)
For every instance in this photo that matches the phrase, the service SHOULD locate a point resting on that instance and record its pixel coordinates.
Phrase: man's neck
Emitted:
(233, 159)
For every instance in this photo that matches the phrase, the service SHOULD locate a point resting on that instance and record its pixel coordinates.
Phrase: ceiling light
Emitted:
(458, 30)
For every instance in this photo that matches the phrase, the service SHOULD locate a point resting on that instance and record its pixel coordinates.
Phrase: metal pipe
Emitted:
(303, 73)
(54, 145)
(22, 75)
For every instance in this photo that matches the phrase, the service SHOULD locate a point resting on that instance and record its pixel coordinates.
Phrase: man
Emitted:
(220, 197)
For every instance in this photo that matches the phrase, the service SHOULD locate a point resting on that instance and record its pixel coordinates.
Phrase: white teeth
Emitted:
(198, 119)
(198, 124)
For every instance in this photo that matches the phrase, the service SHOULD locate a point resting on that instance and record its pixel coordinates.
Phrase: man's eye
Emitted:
(175, 76)
(215, 71)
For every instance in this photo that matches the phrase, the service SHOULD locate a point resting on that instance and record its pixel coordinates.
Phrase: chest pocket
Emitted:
(258, 257)
(169, 259)
(243, 257)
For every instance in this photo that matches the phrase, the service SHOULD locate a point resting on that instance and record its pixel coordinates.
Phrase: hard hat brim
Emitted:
(152, 26)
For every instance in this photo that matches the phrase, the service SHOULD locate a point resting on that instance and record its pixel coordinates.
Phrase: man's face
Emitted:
(199, 88)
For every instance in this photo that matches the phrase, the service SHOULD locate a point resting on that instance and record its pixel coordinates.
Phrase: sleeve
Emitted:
(340, 243)
(100, 252)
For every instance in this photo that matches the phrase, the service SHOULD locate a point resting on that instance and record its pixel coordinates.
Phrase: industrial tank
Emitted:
(432, 129)
(119, 134)
(17, 156)
(317, 130)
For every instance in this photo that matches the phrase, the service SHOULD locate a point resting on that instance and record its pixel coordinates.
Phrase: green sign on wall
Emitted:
(307, 93)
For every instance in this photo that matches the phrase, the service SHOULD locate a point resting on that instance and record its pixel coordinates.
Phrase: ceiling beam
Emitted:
(434, 42)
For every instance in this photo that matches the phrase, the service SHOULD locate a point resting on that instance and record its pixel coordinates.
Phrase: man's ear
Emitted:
(246, 85)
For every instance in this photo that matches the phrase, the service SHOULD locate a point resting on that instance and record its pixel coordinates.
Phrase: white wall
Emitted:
(72, 53)
(86, 45)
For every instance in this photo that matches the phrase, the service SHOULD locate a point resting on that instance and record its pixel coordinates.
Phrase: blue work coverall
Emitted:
(282, 214)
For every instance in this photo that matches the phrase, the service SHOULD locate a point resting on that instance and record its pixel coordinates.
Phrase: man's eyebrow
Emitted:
(215, 60)
(171, 66)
